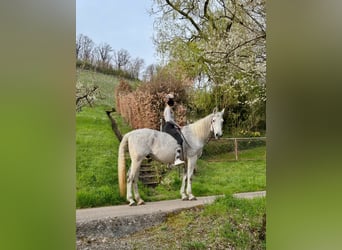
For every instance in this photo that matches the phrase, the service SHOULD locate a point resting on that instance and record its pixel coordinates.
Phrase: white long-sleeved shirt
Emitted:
(169, 115)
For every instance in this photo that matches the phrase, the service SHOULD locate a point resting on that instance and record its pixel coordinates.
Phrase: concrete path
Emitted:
(117, 221)
(89, 214)
(250, 195)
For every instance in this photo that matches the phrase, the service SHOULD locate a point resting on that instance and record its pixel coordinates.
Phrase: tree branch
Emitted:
(185, 15)
(246, 42)
(248, 14)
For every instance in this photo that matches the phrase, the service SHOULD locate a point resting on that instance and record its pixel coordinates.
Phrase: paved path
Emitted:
(250, 195)
(119, 221)
(89, 214)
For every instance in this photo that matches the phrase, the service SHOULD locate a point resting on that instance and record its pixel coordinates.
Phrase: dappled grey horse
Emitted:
(161, 146)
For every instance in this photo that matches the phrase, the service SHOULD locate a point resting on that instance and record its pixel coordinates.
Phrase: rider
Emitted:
(172, 128)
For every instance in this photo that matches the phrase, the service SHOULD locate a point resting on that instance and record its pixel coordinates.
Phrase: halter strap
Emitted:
(212, 128)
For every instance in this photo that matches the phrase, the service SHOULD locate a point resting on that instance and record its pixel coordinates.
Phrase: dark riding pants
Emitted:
(173, 131)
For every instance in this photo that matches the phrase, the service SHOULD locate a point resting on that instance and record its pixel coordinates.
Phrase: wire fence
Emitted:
(236, 148)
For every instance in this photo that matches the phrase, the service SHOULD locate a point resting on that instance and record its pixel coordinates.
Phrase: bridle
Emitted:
(212, 129)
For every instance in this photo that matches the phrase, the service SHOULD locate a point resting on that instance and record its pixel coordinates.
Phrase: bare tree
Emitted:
(121, 59)
(150, 71)
(104, 54)
(78, 46)
(85, 95)
(135, 67)
(85, 47)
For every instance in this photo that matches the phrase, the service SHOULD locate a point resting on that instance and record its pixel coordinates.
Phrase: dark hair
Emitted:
(170, 102)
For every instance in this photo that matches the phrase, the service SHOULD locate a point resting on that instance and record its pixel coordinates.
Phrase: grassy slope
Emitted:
(96, 145)
(96, 154)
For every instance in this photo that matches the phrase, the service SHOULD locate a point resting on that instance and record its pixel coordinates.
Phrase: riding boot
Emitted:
(178, 157)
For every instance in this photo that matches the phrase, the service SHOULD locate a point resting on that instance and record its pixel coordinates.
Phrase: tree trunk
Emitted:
(114, 125)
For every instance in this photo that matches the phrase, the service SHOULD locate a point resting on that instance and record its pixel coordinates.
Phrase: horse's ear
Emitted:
(222, 112)
(215, 110)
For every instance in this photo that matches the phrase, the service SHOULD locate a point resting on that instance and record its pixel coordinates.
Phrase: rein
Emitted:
(180, 132)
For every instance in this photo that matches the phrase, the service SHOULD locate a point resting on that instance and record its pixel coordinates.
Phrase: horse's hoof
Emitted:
(132, 203)
(141, 202)
(185, 198)
(192, 198)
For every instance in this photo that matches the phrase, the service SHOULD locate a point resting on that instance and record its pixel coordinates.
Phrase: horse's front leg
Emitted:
(182, 190)
(190, 172)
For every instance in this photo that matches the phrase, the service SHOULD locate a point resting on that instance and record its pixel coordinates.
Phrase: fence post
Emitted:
(236, 149)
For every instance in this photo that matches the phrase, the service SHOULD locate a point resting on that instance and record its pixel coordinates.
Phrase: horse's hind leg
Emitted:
(132, 180)
(136, 191)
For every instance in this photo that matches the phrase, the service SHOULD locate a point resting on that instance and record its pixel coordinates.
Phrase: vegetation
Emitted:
(100, 57)
(96, 154)
(96, 167)
(221, 44)
(229, 223)
(147, 101)
(104, 84)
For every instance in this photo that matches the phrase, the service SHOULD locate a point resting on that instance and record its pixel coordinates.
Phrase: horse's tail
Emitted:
(122, 165)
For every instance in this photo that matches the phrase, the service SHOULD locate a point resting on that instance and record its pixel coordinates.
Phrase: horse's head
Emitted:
(216, 123)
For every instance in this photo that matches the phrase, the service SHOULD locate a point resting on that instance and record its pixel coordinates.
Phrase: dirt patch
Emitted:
(116, 233)
(119, 226)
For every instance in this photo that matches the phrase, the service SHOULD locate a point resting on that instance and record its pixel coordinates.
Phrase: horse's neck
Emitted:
(201, 128)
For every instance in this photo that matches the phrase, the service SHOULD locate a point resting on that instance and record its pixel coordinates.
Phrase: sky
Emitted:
(123, 24)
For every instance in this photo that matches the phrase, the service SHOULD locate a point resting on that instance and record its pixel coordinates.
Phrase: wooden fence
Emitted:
(236, 139)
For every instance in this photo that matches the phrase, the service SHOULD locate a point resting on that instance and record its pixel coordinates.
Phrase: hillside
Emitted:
(96, 145)
(106, 84)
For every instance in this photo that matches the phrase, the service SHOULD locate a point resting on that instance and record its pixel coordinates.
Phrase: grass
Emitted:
(228, 223)
(96, 145)
(96, 154)
(216, 174)
(96, 167)
(106, 84)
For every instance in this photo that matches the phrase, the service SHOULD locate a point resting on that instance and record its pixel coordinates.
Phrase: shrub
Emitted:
(143, 108)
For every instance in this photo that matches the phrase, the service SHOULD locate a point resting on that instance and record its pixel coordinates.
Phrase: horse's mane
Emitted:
(201, 128)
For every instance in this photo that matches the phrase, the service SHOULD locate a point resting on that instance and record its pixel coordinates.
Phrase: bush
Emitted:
(143, 108)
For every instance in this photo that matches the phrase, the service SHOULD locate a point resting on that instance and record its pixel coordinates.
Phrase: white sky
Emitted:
(123, 24)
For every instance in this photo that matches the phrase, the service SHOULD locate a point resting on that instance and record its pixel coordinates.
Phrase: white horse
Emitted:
(161, 146)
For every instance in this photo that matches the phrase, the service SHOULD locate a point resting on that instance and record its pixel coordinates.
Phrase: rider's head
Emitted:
(169, 99)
